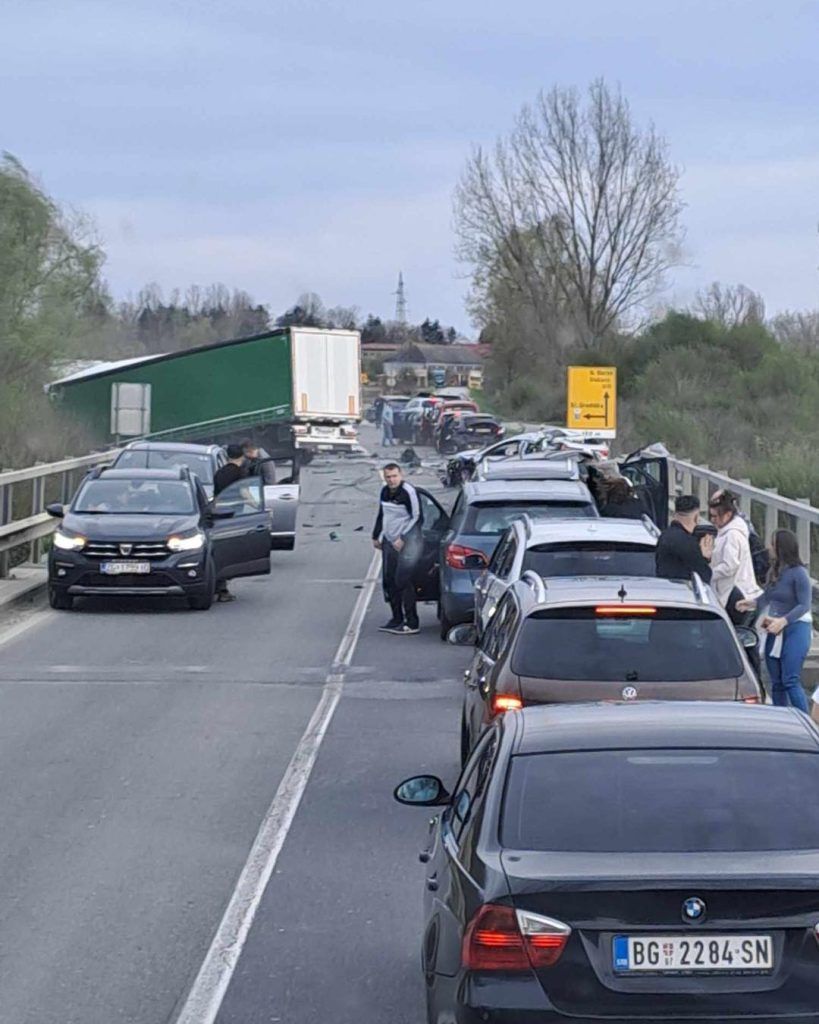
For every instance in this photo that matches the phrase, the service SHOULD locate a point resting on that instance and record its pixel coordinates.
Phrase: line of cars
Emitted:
(149, 525)
(629, 838)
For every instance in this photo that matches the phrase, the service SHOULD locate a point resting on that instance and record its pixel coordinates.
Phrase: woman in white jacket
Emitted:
(732, 567)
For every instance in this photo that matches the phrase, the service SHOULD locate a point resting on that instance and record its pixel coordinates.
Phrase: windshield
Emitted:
(153, 459)
(672, 645)
(495, 516)
(135, 497)
(591, 558)
(661, 801)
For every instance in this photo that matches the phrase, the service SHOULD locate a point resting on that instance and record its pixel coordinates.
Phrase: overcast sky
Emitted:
(289, 145)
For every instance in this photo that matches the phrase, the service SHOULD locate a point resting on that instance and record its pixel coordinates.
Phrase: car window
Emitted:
(243, 497)
(493, 517)
(669, 645)
(661, 801)
(480, 781)
(432, 516)
(134, 497)
(498, 633)
(498, 554)
(591, 558)
(473, 777)
(153, 458)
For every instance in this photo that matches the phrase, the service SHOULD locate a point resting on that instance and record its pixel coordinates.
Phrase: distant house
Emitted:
(457, 364)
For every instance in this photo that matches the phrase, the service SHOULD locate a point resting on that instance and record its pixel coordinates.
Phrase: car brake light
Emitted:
(505, 702)
(625, 609)
(460, 557)
(750, 700)
(502, 939)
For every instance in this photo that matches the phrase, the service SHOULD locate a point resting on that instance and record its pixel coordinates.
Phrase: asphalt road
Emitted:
(140, 748)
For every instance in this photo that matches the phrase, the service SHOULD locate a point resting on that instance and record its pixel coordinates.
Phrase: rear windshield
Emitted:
(199, 464)
(495, 516)
(590, 558)
(135, 497)
(661, 801)
(672, 645)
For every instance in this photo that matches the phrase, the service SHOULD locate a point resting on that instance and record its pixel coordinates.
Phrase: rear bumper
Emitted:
(458, 594)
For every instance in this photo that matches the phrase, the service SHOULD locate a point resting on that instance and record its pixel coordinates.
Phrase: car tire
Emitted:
(60, 599)
(202, 602)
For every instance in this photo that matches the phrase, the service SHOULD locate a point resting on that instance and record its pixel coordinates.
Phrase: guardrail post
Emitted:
(65, 486)
(702, 489)
(5, 517)
(771, 516)
(745, 499)
(37, 503)
(803, 534)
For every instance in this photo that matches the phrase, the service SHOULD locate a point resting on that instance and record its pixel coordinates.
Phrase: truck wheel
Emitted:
(60, 600)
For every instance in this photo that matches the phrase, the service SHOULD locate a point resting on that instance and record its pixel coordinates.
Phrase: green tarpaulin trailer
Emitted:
(296, 386)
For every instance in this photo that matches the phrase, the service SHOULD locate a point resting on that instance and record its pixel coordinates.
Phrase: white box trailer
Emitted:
(326, 387)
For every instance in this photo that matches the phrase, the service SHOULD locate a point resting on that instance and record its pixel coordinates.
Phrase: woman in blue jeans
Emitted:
(788, 598)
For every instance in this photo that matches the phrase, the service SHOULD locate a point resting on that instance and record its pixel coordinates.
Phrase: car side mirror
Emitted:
(422, 791)
(56, 509)
(465, 635)
(747, 637)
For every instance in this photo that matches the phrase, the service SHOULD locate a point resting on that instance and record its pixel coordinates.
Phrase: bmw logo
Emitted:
(629, 693)
(693, 910)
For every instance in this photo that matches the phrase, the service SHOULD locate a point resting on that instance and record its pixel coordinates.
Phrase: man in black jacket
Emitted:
(679, 552)
(397, 534)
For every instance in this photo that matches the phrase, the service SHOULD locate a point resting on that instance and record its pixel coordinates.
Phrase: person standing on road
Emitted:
(387, 420)
(397, 534)
(732, 567)
(679, 553)
(234, 469)
(788, 598)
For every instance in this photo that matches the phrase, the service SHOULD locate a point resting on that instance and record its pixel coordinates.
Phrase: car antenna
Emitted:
(622, 593)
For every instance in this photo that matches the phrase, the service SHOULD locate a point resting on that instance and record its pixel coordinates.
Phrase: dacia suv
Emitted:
(596, 639)
(153, 532)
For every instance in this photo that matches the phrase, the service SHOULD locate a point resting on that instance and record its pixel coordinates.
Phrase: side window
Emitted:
(505, 566)
(469, 785)
(242, 498)
(497, 559)
(483, 773)
(432, 517)
(507, 626)
(497, 631)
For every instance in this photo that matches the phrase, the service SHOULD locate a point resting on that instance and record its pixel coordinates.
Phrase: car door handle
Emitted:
(432, 883)
(262, 528)
(287, 497)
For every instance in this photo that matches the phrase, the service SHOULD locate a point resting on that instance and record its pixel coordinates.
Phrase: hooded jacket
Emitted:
(731, 563)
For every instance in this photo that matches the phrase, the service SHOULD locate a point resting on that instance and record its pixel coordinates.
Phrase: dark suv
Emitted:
(153, 532)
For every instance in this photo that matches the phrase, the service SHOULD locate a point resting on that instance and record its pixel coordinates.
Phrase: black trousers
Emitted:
(398, 572)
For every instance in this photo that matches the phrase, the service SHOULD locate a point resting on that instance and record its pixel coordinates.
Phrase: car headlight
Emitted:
(190, 542)
(68, 541)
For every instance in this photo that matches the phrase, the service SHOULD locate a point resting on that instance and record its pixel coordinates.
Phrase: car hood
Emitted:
(113, 526)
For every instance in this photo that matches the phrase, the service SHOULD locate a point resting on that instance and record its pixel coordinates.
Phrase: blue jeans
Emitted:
(386, 431)
(786, 671)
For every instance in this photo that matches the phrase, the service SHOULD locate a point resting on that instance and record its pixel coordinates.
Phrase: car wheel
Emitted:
(202, 602)
(60, 600)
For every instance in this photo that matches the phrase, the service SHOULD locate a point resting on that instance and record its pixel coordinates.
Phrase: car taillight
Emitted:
(750, 700)
(625, 609)
(503, 939)
(460, 557)
(505, 702)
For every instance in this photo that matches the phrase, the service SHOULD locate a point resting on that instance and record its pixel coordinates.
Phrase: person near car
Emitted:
(387, 421)
(621, 502)
(234, 469)
(253, 457)
(732, 567)
(679, 552)
(787, 599)
(397, 534)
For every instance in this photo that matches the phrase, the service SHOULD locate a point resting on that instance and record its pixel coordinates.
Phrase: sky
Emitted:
(283, 146)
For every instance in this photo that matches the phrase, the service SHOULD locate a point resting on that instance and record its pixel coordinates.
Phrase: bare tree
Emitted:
(798, 330)
(578, 209)
(729, 305)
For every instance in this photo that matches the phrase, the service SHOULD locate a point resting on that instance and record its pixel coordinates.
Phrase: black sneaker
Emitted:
(391, 626)
(404, 630)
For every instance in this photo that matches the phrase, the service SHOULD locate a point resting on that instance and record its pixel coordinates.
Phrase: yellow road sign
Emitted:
(592, 399)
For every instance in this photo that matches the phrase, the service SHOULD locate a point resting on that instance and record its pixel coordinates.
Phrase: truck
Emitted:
(294, 390)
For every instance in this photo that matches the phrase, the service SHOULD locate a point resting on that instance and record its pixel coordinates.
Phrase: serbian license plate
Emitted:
(705, 954)
(125, 568)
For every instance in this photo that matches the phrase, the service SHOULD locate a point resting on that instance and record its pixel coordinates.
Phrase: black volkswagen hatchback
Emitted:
(626, 863)
(154, 533)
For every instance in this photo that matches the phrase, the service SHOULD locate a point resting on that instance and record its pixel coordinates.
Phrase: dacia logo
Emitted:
(126, 549)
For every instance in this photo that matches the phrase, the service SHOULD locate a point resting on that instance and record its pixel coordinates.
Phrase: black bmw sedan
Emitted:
(626, 862)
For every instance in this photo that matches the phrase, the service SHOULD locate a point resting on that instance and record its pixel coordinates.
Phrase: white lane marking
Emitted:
(31, 620)
(208, 991)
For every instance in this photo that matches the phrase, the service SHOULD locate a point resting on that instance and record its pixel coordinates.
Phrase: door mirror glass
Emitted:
(463, 636)
(242, 498)
(56, 509)
(422, 791)
(747, 637)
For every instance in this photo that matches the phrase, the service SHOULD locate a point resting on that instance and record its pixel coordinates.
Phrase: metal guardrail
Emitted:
(50, 481)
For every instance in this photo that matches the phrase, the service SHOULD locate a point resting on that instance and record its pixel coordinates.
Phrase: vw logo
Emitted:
(693, 910)
(629, 693)
(126, 549)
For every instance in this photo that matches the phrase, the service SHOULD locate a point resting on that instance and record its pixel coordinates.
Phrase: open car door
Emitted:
(434, 526)
(647, 469)
(240, 530)
(281, 500)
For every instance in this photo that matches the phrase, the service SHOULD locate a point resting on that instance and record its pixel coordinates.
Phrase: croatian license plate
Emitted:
(703, 954)
(125, 568)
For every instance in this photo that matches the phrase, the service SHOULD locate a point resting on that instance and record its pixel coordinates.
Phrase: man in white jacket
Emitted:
(732, 567)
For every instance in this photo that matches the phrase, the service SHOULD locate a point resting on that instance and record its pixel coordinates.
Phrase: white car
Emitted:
(565, 547)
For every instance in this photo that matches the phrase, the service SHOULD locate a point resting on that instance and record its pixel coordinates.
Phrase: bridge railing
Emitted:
(24, 494)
